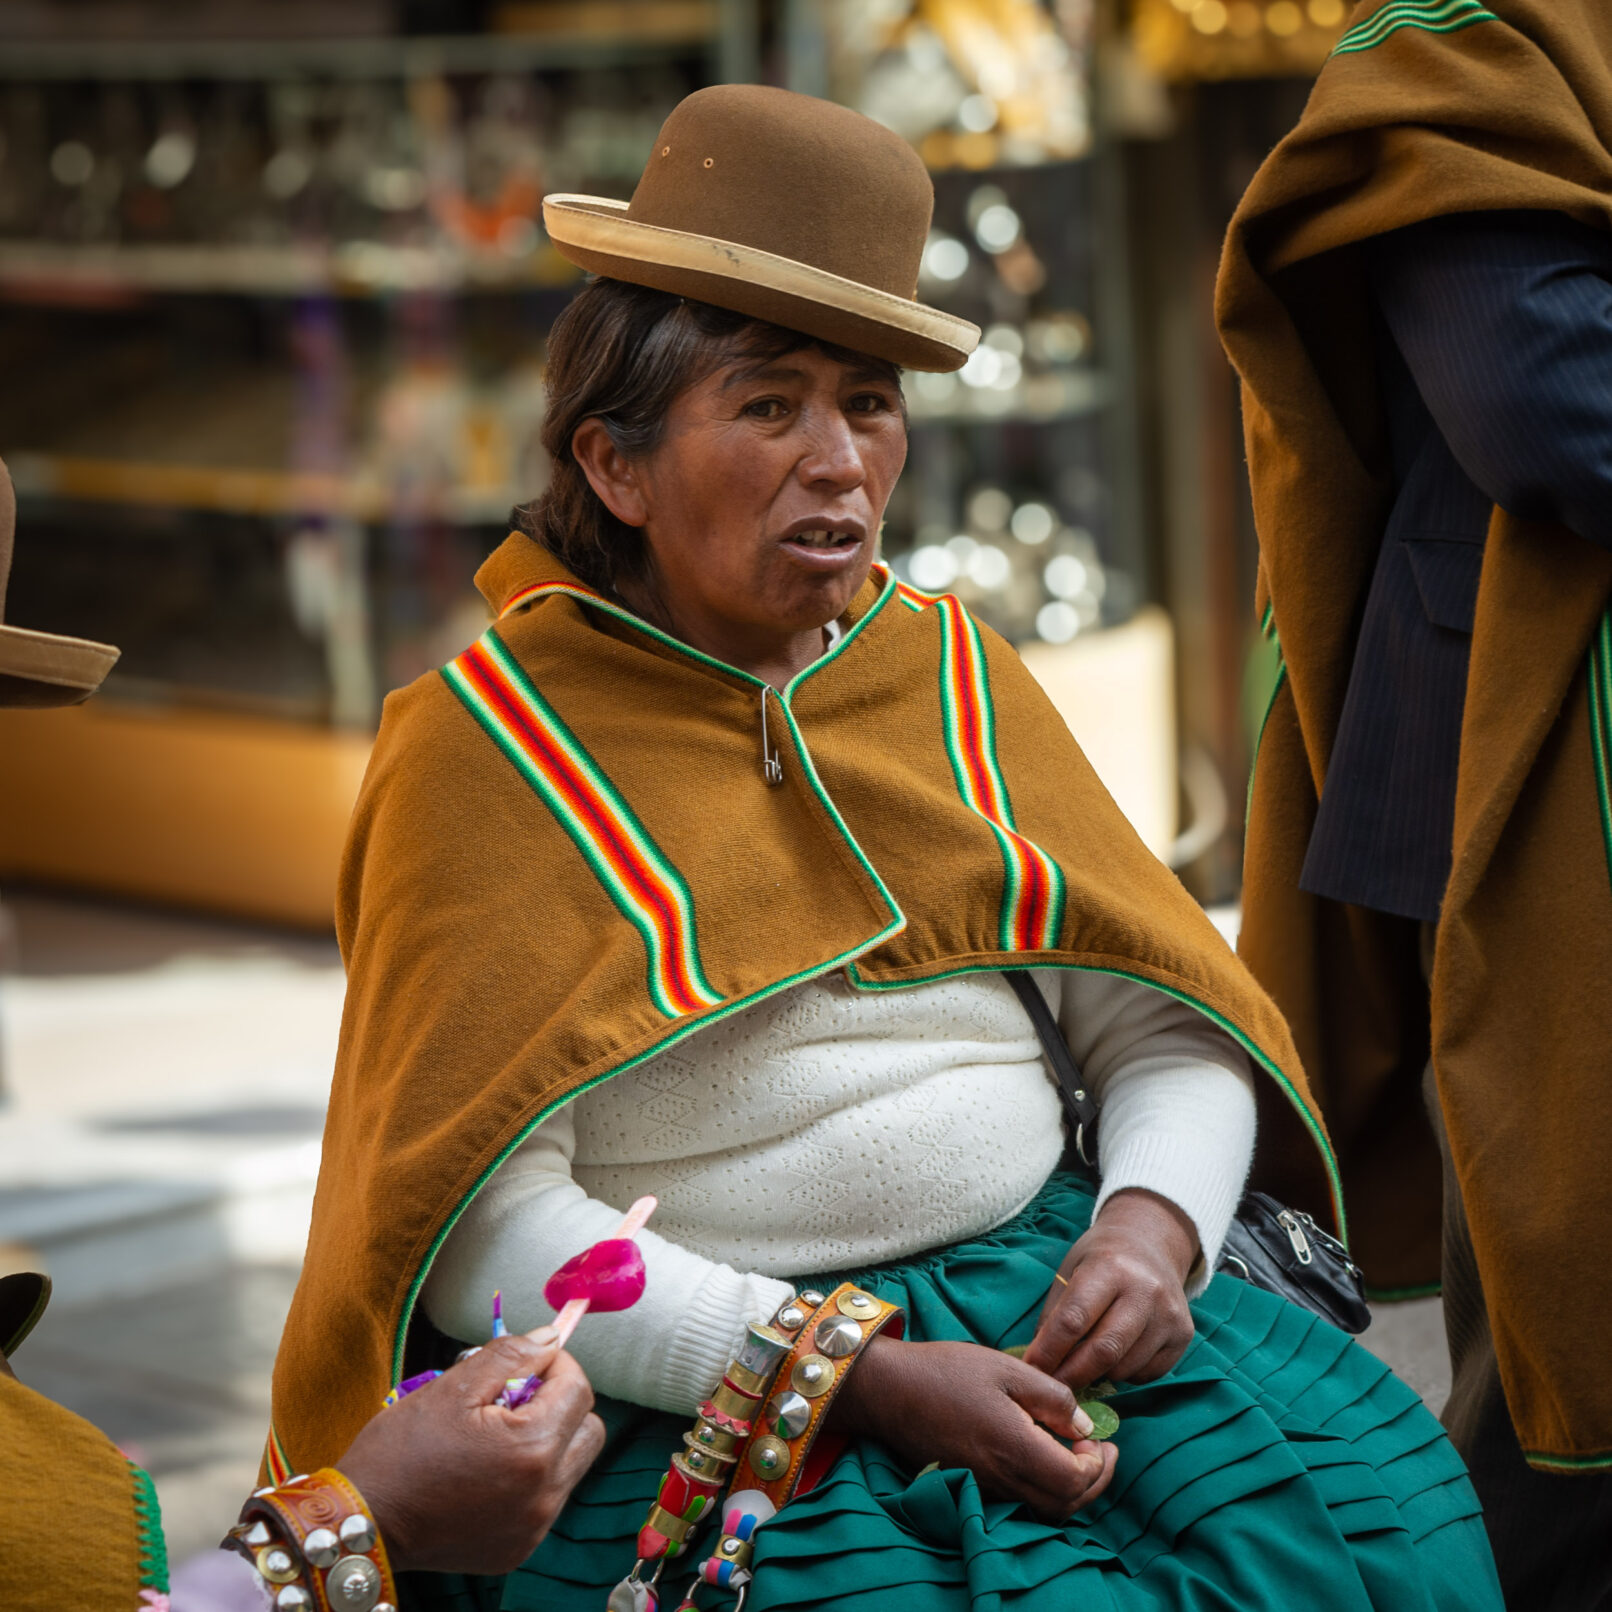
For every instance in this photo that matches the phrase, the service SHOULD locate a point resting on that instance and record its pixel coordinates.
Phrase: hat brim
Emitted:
(23, 1298)
(595, 233)
(42, 669)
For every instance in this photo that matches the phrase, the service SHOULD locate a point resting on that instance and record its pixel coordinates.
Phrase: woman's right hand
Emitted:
(967, 1406)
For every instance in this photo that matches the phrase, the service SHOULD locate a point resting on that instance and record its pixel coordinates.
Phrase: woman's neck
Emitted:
(776, 658)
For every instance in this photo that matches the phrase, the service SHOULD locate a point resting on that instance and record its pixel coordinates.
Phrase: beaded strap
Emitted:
(315, 1546)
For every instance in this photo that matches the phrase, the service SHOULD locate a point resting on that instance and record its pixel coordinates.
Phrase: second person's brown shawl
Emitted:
(1432, 107)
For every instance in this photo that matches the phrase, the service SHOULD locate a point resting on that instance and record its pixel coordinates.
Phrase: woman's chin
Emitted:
(807, 594)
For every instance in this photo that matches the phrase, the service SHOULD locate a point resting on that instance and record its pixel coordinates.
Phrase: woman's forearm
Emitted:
(1185, 1133)
(668, 1351)
(1176, 1096)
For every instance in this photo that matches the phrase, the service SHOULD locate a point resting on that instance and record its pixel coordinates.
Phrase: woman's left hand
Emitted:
(1123, 1313)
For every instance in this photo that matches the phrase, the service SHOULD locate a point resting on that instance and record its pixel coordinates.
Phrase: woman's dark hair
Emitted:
(621, 353)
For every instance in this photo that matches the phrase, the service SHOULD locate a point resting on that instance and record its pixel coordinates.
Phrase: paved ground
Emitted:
(166, 1080)
(180, 1067)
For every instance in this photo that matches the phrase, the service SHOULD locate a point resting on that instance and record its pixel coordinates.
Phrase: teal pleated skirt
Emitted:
(1278, 1467)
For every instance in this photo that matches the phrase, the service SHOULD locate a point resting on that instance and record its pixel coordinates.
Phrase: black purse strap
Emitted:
(1078, 1102)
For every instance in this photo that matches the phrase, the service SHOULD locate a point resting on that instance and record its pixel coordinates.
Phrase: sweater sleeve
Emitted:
(667, 1352)
(1176, 1096)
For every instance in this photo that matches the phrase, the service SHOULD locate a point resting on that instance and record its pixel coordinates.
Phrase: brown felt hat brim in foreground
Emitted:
(23, 1298)
(41, 668)
(44, 669)
(596, 234)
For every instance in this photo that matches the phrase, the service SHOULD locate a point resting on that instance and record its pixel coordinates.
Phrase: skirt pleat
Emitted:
(1279, 1465)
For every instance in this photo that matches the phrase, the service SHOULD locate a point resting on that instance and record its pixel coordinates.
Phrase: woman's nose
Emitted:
(834, 454)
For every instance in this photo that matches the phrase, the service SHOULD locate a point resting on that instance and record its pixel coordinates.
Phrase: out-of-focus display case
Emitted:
(1009, 498)
(1191, 40)
(273, 312)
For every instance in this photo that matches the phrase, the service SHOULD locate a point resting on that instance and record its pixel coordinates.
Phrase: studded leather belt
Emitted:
(779, 1452)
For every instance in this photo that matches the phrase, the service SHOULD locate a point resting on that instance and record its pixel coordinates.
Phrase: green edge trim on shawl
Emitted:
(1429, 16)
(1567, 1463)
(1600, 681)
(1403, 1295)
(148, 1528)
(1268, 627)
(598, 602)
(1247, 1043)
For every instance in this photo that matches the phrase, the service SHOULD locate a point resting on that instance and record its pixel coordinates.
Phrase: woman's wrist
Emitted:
(867, 1389)
(1153, 1218)
(372, 1487)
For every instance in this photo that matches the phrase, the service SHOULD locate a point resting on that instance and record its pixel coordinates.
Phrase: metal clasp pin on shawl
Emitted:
(772, 766)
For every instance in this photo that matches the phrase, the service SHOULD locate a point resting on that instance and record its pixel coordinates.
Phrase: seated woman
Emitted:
(697, 877)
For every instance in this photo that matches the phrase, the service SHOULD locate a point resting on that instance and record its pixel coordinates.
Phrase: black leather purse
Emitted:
(1268, 1245)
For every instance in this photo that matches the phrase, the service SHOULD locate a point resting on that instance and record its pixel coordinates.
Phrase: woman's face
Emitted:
(761, 505)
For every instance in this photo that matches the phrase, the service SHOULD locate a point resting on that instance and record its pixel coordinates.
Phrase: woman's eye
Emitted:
(765, 408)
(870, 403)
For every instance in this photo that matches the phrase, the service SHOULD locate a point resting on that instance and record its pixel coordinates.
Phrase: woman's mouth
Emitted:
(823, 547)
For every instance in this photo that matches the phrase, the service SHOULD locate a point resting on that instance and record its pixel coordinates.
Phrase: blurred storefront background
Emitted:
(273, 299)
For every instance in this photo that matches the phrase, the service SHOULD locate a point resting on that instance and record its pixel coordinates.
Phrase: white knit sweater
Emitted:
(830, 1129)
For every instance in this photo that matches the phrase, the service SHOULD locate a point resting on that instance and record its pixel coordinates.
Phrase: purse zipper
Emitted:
(1289, 1223)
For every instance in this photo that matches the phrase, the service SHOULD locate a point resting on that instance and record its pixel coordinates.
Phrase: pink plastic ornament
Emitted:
(578, 1305)
(610, 1276)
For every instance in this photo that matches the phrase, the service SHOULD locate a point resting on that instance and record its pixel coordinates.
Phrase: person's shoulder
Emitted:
(418, 724)
(430, 759)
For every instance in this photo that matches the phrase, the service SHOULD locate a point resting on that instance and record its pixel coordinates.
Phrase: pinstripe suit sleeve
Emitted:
(1505, 321)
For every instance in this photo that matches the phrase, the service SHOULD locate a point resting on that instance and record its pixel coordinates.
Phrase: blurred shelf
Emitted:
(242, 492)
(232, 814)
(602, 33)
(49, 271)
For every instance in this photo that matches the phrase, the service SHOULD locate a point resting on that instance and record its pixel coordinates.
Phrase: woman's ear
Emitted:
(610, 473)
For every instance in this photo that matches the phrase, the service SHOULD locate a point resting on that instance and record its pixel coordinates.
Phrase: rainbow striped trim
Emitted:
(648, 891)
(538, 590)
(1035, 894)
(1431, 16)
(275, 1461)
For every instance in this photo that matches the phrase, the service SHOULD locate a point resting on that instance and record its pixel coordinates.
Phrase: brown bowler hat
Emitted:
(41, 668)
(783, 207)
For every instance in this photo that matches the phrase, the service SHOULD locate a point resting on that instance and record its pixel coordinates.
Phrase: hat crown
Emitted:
(798, 177)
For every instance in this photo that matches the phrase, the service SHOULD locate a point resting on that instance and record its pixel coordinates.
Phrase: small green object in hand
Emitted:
(1104, 1418)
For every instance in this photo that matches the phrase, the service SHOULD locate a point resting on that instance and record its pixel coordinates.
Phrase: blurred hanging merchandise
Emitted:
(1187, 40)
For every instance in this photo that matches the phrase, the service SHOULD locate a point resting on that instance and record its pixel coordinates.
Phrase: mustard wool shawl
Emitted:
(566, 857)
